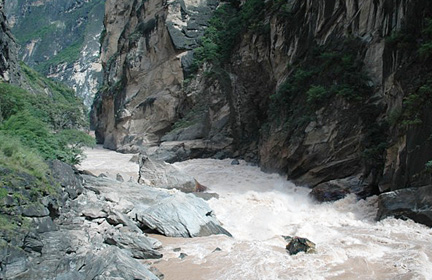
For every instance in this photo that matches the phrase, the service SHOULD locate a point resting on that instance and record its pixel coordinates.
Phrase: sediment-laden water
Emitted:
(258, 208)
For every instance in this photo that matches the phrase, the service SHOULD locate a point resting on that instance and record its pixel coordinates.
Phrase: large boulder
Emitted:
(337, 189)
(68, 178)
(182, 215)
(160, 174)
(411, 203)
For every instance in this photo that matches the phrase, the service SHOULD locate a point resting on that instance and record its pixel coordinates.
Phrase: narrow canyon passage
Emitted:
(258, 208)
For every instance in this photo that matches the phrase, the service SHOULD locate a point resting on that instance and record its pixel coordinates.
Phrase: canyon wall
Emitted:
(317, 90)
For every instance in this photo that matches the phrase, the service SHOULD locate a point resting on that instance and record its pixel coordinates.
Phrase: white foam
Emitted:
(258, 208)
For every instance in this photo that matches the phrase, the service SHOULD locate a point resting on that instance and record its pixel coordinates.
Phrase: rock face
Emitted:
(9, 68)
(145, 46)
(353, 102)
(61, 39)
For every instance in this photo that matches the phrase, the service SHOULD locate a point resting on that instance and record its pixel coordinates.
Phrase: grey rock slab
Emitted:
(34, 210)
(94, 213)
(43, 224)
(412, 203)
(137, 244)
(160, 174)
(112, 262)
(182, 215)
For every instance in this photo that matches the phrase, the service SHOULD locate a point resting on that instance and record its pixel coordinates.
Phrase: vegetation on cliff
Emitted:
(41, 123)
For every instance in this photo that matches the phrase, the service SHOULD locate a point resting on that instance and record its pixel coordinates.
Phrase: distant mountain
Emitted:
(60, 38)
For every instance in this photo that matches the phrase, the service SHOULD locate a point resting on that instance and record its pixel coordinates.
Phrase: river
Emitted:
(258, 208)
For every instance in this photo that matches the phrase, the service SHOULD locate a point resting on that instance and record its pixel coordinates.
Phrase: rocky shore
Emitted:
(96, 229)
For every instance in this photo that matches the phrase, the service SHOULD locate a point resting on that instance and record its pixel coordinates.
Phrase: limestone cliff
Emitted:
(9, 68)
(318, 90)
(61, 40)
(144, 48)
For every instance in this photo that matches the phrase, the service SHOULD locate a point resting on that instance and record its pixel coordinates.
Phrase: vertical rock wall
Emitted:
(145, 45)
(146, 98)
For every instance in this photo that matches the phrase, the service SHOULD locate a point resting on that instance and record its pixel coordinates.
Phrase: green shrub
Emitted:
(316, 94)
(14, 155)
(225, 28)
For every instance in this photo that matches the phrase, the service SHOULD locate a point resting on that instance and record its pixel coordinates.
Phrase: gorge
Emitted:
(239, 123)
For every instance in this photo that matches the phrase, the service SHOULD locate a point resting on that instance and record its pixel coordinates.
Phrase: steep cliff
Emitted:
(9, 68)
(317, 90)
(143, 51)
(61, 40)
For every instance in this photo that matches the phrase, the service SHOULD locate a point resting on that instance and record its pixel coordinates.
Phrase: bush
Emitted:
(225, 28)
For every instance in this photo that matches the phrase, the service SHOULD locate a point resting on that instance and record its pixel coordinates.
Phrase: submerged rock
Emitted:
(182, 215)
(412, 203)
(299, 244)
(337, 189)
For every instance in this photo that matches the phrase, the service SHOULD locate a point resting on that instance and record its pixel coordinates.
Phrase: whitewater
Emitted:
(259, 208)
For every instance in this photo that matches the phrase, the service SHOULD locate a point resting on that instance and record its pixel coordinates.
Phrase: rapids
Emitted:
(257, 208)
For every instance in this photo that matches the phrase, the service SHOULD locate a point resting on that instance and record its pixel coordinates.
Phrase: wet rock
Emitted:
(206, 196)
(235, 162)
(299, 244)
(177, 249)
(119, 177)
(181, 215)
(182, 256)
(412, 203)
(217, 249)
(328, 192)
(338, 189)
(199, 188)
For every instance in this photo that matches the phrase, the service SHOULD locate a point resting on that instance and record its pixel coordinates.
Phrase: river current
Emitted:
(258, 208)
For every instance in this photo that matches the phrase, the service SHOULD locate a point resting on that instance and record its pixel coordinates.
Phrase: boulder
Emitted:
(68, 177)
(299, 244)
(160, 174)
(337, 189)
(181, 215)
(411, 203)
(112, 263)
(35, 210)
(137, 244)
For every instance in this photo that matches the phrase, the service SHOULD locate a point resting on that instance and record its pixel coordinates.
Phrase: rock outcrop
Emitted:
(145, 46)
(93, 229)
(318, 90)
